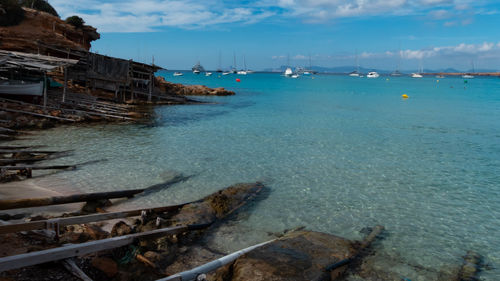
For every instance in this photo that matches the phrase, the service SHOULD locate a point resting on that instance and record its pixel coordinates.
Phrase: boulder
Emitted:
(301, 255)
(106, 265)
(121, 228)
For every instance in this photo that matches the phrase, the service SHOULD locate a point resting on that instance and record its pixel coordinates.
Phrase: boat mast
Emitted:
(234, 60)
(357, 62)
(244, 63)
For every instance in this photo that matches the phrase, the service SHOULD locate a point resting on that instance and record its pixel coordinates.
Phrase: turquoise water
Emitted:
(337, 153)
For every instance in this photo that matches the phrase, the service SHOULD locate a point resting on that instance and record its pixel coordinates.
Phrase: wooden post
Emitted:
(65, 84)
(150, 86)
(44, 90)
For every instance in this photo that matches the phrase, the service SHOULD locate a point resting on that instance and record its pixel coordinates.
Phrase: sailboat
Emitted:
(355, 73)
(219, 69)
(420, 71)
(469, 75)
(397, 72)
(244, 70)
(288, 71)
(233, 69)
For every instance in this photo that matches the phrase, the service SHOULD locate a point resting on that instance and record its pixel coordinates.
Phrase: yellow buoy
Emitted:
(437, 81)
(405, 96)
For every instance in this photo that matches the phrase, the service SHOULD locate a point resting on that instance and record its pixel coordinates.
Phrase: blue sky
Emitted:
(178, 33)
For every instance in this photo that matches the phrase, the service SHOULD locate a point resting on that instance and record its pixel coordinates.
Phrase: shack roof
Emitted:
(13, 60)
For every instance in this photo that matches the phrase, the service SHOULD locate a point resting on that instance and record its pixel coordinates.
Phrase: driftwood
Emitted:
(57, 200)
(70, 265)
(60, 222)
(7, 151)
(73, 250)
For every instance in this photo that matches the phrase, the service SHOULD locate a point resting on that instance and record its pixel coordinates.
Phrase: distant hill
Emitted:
(348, 69)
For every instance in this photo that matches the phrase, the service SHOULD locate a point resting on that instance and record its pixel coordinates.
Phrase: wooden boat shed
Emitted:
(128, 79)
(30, 67)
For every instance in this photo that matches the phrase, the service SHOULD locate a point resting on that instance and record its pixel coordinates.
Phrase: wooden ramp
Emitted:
(74, 250)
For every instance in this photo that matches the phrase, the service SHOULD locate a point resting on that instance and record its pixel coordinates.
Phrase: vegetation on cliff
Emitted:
(39, 5)
(11, 13)
(75, 21)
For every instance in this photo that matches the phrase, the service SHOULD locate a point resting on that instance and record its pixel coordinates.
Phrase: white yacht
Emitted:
(226, 73)
(354, 74)
(372, 74)
(288, 72)
(295, 75)
(208, 73)
(241, 72)
(468, 76)
(197, 68)
(416, 75)
(178, 74)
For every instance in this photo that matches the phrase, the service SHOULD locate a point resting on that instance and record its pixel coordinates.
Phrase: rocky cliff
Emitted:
(44, 33)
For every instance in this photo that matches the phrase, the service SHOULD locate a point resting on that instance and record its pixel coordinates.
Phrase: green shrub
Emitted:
(11, 13)
(40, 5)
(76, 21)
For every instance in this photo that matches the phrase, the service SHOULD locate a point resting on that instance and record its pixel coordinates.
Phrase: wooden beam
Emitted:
(74, 250)
(37, 114)
(57, 200)
(53, 167)
(45, 224)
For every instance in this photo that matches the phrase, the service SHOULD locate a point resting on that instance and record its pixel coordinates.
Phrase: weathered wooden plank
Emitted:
(57, 200)
(38, 115)
(16, 161)
(9, 228)
(70, 265)
(73, 250)
(53, 167)
(5, 151)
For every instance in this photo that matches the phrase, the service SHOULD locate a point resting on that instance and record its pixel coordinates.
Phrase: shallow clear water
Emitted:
(338, 154)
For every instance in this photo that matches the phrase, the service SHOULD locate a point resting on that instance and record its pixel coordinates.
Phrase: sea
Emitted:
(337, 154)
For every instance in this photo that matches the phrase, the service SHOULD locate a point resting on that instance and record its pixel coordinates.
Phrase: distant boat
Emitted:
(241, 72)
(439, 76)
(219, 69)
(295, 75)
(208, 73)
(178, 74)
(372, 74)
(244, 70)
(469, 75)
(396, 73)
(197, 68)
(355, 73)
(21, 88)
(306, 73)
(420, 71)
(226, 73)
(288, 72)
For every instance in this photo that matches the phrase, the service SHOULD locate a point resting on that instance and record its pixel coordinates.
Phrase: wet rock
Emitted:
(301, 255)
(121, 228)
(94, 206)
(189, 90)
(152, 256)
(95, 232)
(106, 265)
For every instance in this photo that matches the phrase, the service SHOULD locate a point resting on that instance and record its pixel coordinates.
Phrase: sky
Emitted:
(382, 34)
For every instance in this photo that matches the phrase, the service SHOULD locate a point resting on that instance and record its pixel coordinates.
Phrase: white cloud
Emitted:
(150, 15)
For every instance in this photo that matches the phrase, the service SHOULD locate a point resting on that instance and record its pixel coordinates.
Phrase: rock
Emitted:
(95, 232)
(189, 90)
(121, 228)
(301, 255)
(94, 206)
(106, 265)
(152, 256)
